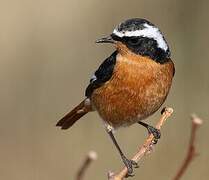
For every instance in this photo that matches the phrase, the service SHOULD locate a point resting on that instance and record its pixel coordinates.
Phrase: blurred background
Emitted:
(48, 54)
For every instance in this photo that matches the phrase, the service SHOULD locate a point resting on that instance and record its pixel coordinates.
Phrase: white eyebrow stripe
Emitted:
(149, 31)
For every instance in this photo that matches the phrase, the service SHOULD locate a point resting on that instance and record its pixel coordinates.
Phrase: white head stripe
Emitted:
(149, 31)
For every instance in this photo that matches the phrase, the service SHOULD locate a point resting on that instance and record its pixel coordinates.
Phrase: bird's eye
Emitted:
(134, 41)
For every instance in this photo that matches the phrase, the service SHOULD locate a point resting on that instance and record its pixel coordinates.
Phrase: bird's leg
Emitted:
(155, 132)
(128, 163)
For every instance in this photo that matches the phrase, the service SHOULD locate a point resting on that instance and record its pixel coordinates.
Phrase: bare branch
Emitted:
(191, 153)
(145, 148)
(92, 156)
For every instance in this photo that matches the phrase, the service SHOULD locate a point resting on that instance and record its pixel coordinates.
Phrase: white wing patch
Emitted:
(93, 78)
(149, 31)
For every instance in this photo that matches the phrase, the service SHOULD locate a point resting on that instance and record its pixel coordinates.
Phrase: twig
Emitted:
(191, 153)
(145, 148)
(92, 156)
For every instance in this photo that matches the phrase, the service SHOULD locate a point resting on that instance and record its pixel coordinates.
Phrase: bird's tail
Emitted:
(69, 119)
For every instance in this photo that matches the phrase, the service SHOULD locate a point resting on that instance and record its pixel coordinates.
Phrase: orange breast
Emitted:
(136, 90)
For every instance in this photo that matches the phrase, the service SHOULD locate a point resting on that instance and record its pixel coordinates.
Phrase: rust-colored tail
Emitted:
(69, 119)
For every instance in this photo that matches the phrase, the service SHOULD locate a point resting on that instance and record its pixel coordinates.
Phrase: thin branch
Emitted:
(92, 156)
(191, 153)
(145, 148)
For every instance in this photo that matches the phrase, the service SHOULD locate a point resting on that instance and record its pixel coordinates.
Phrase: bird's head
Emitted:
(140, 37)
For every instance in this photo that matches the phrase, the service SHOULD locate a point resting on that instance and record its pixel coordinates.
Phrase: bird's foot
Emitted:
(130, 164)
(151, 130)
(155, 132)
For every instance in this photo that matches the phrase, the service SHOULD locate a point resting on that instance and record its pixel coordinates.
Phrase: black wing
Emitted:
(102, 74)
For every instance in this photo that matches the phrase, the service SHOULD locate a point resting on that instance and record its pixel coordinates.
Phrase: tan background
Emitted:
(48, 54)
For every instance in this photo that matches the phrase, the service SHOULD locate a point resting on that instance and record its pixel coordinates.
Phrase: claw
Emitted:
(151, 130)
(130, 164)
(134, 163)
(155, 132)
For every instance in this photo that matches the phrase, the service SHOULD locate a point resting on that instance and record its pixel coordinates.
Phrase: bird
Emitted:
(131, 84)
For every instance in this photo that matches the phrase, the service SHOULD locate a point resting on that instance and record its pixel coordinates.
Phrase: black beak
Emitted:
(107, 39)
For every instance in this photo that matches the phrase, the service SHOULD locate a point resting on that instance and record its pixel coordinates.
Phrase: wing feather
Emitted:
(102, 74)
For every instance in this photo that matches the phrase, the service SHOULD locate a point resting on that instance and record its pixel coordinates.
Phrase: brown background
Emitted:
(48, 54)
